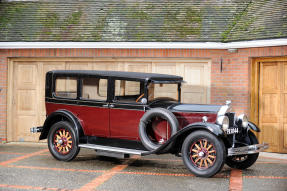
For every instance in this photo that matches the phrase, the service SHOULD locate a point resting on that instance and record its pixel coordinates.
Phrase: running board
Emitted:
(113, 149)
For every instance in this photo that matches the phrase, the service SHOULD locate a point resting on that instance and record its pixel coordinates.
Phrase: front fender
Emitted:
(253, 126)
(61, 115)
(210, 127)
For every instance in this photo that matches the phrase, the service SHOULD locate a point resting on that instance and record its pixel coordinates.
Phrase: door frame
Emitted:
(254, 85)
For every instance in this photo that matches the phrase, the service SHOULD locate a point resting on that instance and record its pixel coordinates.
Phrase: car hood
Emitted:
(197, 108)
(181, 107)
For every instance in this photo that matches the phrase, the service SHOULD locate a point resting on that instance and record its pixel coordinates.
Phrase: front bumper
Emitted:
(250, 149)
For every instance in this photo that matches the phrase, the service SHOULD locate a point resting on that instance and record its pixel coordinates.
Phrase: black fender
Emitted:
(210, 127)
(61, 115)
(253, 127)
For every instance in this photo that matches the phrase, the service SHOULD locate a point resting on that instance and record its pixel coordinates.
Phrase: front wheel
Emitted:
(62, 141)
(244, 161)
(203, 153)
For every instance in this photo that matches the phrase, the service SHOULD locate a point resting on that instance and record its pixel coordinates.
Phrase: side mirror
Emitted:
(144, 101)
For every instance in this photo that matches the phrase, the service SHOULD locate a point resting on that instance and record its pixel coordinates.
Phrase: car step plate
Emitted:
(112, 149)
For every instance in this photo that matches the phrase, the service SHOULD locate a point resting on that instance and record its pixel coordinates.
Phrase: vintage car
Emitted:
(120, 114)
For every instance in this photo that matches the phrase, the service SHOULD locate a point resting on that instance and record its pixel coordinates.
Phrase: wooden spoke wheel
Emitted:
(203, 153)
(62, 141)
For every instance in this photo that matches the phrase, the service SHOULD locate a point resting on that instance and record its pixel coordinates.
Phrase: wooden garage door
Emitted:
(26, 106)
(273, 104)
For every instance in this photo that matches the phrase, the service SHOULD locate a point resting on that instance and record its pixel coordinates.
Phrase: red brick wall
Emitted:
(230, 84)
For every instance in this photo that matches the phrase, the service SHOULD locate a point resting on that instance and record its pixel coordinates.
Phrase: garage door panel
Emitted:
(78, 65)
(189, 97)
(284, 133)
(23, 125)
(110, 66)
(270, 107)
(26, 102)
(26, 75)
(163, 68)
(274, 130)
(138, 67)
(270, 77)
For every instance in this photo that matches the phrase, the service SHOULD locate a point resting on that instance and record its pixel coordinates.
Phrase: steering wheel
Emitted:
(137, 100)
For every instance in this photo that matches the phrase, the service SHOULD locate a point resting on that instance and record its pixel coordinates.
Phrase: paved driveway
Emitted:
(31, 167)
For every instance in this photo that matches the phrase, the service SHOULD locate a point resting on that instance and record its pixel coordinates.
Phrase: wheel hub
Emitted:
(201, 154)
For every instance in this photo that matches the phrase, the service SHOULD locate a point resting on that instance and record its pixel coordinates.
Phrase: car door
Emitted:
(126, 109)
(93, 106)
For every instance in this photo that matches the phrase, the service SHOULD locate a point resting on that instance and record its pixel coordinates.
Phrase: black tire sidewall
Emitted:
(220, 153)
(249, 161)
(156, 112)
(75, 149)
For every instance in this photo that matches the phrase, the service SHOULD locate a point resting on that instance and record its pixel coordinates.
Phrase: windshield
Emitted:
(163, 91)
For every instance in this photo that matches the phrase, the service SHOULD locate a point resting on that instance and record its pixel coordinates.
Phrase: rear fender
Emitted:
(61, 115)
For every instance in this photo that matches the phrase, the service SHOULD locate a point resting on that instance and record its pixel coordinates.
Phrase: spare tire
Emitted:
(153, 125)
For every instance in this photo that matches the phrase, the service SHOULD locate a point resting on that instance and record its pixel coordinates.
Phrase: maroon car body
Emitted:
(126, 113)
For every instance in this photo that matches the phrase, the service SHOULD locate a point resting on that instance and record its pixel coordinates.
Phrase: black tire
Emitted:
(244, 161)
(203, 153)
(69, 148)
(145, 124)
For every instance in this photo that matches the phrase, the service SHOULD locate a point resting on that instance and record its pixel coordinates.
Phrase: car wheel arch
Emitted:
(187, 130)
(62, 115)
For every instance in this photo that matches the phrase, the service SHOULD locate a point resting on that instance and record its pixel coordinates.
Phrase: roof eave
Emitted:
(145, 45)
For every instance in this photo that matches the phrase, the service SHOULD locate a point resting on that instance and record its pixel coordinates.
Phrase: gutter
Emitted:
(145, 45)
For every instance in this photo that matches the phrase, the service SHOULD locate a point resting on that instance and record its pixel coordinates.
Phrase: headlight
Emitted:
(242, 120)
(223, 121)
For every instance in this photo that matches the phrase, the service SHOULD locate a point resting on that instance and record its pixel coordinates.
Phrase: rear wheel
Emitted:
(243, 161)
(62, 141)
(203, 153)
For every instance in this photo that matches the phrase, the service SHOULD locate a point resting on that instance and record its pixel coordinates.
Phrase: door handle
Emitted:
(108, 105)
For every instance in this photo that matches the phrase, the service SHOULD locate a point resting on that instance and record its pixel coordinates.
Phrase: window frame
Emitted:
(65, 76)
(113, 89)
(80, 81)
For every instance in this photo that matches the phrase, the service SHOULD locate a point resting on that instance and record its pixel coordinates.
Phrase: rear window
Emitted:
(66, 87)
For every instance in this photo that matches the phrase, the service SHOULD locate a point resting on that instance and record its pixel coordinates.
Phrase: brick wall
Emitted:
(232, 83)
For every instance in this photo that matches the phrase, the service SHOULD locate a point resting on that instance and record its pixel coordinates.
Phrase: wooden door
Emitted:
(272, 105)
(24, 103)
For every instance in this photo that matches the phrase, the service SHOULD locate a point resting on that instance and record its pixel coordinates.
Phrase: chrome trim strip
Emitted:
(250, 149)
(112, 149)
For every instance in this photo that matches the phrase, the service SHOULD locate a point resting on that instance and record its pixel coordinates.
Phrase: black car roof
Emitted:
(119, 74)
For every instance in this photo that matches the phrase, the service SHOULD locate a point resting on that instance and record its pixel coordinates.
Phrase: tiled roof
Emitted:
(143, 20)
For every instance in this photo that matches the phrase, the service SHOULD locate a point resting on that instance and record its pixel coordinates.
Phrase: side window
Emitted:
(95, 89)
(66, 87)
(127, 91)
